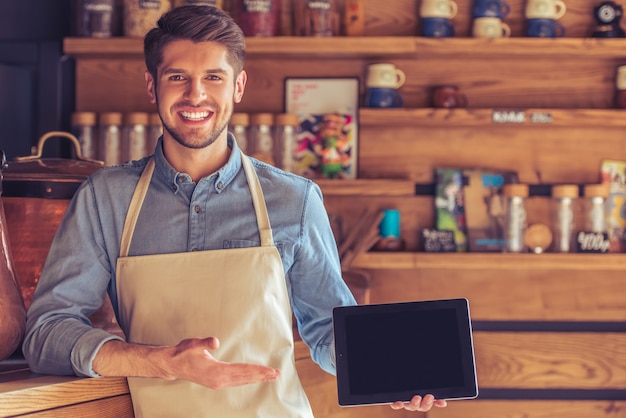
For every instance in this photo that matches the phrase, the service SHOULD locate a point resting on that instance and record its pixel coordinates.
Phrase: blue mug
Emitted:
(437, 27)
(491, 8)
(382, 97)
(544, 28)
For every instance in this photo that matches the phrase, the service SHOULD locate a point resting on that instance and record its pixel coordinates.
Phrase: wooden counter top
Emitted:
(23, 392)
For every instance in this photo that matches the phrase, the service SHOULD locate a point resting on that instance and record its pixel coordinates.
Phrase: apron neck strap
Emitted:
(258, 201)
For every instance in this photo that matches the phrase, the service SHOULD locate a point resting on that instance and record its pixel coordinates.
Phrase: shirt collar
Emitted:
(220, 179)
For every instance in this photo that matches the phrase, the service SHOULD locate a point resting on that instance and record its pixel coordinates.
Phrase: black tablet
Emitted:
(391, 352)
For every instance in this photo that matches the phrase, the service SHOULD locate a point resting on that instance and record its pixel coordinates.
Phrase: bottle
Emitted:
(142, 15)
(285, 140)
(134, 136)
(563, 197)
(239, 123)
(261, 140)
(155, 130)
(109, 137)
(84, 129)
(595, 196)
(515, 217)
(258, 17)
(316, 18)
(95, 18)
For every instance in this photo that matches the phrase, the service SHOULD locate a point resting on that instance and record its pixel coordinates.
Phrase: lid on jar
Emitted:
(287, 119)
(154, 119)
(596, 190)
(110, 118)
(136, 118)
(565, 191)
(520, 190)
(262, 119)
(84, 118)
(242, 119)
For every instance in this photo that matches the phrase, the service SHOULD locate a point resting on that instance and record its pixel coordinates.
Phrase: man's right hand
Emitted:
(191, 359)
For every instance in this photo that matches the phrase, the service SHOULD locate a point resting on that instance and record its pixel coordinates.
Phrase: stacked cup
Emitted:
(488, 18)
(436, 15)
(542, 16)
(382, 81)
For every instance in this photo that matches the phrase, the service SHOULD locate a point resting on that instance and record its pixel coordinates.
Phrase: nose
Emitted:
(196, 92)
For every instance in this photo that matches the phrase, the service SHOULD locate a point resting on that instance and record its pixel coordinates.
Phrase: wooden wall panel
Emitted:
(511, 295)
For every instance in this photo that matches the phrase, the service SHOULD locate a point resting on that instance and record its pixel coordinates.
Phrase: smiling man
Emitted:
(204, 252)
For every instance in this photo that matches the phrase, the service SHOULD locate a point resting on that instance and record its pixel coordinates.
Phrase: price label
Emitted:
(436, 241)
(592, 242)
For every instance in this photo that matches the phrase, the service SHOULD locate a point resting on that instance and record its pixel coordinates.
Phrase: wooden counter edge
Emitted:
(24, 392)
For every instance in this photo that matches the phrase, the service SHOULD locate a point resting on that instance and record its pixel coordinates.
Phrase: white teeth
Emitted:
(195, 115)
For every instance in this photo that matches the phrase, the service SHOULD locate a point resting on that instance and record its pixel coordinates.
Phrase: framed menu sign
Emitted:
(327, 139)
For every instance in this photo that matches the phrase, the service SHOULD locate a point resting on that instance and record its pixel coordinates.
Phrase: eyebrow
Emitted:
(180, 70)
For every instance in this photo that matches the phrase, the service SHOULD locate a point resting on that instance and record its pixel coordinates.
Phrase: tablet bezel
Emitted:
(468, 390)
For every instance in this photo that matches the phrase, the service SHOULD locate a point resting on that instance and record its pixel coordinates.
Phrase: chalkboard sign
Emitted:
(592, 242)
(436, 241)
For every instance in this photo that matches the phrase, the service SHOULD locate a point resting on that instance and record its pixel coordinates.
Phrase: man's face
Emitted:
(194, 92)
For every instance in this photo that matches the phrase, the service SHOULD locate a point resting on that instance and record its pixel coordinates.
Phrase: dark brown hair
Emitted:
(198, 24)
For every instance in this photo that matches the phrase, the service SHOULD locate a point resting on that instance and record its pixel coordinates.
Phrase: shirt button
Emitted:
(220, 185)
(196, 208)
(181, 179)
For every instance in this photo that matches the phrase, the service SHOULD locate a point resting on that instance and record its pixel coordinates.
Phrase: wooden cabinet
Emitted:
(549, 330)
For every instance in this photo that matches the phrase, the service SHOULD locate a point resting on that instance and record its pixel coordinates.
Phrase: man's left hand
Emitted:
(418, 403)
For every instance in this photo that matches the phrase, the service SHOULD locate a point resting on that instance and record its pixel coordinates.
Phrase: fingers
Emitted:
(239, 374)
(418, 403)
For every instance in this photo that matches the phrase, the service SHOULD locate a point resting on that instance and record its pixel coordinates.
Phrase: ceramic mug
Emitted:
(545, 9)
(544, 28)
(384, 75)
(436, 27)
(491, 8)
(448, 96)
(382, 97)
(438, 8)
(490, 27)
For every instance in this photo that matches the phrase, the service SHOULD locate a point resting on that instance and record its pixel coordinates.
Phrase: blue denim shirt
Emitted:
(177, 216)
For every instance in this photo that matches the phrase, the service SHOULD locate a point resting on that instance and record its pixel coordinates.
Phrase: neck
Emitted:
(198, 163)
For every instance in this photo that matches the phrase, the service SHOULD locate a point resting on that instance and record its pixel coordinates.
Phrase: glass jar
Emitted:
(142, 15)
(95, 18)
(109, 137)
(239, 123)
(134, 137)
(258, 17)
(84, 129)
(563, 224)
(285, 140)
(316, 18)
(260, 139)
(515, 217)
(595, 198)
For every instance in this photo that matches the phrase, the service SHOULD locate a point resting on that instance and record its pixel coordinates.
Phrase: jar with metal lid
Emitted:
(239, 123)
(316, 18)
(286, 127)
(95, 18)
(109, 137)
(515, 217)
(563, 223)
(84, 129)
(142, 15)
(257, 17)
(260, 139)
(134, 136)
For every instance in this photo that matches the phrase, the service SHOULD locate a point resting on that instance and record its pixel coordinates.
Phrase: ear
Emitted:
(150, 86)
(240, 86)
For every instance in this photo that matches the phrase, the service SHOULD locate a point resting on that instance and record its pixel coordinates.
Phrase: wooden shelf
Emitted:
(490, 261)
(367, 187)
(539, 118)
(385, 46)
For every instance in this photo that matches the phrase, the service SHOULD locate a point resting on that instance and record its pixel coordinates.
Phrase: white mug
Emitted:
(384, 75)
(490, 27)
(545, 9)
(438, 8)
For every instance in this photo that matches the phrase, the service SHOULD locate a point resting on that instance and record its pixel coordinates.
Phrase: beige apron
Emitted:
(238, 295)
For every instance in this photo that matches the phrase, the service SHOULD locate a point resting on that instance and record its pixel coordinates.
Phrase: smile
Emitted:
(195, 116)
